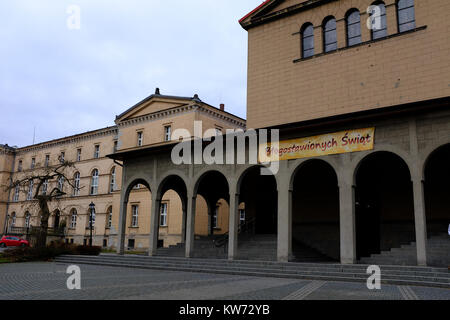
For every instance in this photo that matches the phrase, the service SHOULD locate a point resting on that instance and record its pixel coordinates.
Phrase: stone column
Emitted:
(122, 226)
(284, 242)
(347, 228)
(190, 225)
(154, 224)
(233, 230)
(183, 222)
(420, 221)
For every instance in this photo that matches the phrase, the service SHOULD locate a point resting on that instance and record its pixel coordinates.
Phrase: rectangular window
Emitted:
(140, 138)
(167, 133)
(105, 243)
(78, 155)
(47, 160)
(33, 163)
(163, 215)
(61, 157)
(130, 243)
(135, 216)
(115, 146)
(97, 151)
(19, 167)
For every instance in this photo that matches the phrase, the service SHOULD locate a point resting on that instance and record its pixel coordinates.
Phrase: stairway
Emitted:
(438, 253)
(203, 248)
(259, 247)
(303, 253)
(398, 275)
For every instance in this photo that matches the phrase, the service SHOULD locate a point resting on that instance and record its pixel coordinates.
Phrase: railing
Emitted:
(248, 225)
(31, 230)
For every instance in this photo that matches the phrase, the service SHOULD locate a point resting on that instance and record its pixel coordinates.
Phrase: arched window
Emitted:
(76, 184)
(13, 219)
(45, 187)
(353, 23)
(406, 15)
(379, 20)
(30, 190)
(94, 182)
(16, 193)
(307, 34)
(329, 34)
(73, 219)
(109, 218)
(61, 183)
(112, 182)
(27, 219)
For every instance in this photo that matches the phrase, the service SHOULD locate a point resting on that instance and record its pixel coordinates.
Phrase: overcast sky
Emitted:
(66, 81)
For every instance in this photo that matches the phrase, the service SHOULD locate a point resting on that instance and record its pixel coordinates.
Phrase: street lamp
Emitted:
(92, 210)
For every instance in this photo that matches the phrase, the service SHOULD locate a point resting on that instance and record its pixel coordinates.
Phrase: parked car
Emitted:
(11, 241)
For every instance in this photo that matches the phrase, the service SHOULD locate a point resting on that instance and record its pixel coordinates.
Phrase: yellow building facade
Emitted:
(151, 122)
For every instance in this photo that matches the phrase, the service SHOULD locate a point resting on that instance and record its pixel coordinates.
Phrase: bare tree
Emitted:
(39, 179)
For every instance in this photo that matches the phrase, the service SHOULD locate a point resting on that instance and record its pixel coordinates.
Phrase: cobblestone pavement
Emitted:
(48, 281)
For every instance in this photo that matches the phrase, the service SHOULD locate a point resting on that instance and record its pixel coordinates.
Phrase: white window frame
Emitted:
(13, 219)
(30, 190)
(94, 182)
(163, 214)
(134, 216)
(62, 157)
(16, 193)
(47, 160)
(96, 151)
(45, 187)
(73, 219)
(76, 183)
(27, 219)
(91, 218)
(109, 224)
(112, 183)
(168, 133)
(78, 154)
(61, 183)
(140, 138)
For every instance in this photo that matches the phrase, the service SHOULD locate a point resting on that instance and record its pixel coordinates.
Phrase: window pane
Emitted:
(330, 35)
(308, 41)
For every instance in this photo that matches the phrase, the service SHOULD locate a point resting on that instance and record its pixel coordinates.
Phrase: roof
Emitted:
(158, 95)
(262, 13)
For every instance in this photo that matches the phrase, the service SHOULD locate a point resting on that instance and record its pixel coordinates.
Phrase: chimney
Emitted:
(222, 107)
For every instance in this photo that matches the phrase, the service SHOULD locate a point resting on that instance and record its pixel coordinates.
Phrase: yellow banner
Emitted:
(326, 144)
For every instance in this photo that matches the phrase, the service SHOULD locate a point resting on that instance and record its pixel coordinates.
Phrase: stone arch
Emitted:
(428, 153)
(384, 203)
(297, 165)
(359, 157)
(315, 209)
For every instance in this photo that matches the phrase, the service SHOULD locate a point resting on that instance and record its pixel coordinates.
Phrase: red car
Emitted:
(11, 241)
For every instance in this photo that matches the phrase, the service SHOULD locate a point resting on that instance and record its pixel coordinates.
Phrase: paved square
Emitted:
(38, 281)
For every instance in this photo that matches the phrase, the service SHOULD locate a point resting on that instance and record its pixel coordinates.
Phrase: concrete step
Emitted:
(412, 276)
